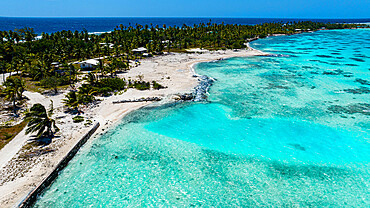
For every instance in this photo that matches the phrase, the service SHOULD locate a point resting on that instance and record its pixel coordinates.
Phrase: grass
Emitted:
(34, 86)
(7, 133)
(78, 119)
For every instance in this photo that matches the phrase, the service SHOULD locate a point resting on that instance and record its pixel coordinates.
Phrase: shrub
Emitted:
(88, 123)
(113, 83)
(78, 119)
(51, 82)
(105, 91)
(141, 85)
(64, 80)
(156, 85)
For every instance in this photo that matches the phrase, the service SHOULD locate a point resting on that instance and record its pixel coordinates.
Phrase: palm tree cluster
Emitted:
(19, 51)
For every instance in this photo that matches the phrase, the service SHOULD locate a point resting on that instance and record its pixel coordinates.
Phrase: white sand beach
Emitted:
(22, 167)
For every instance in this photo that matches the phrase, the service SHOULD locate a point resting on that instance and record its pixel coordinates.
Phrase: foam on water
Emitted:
(288, 131)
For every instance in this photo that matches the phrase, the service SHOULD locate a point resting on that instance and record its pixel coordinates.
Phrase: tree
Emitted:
(40, 121)
(91, 78)
(71, 100)
(51, 82)
(14, 88)
(86, 94)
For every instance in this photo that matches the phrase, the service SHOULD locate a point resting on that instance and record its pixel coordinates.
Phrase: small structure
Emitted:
(147, 55)
(110, 45)
(140, 50)
(89, 64)
(55, 64)
(197, 50)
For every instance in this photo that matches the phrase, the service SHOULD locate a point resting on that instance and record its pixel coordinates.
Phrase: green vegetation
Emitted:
(53, 54)
(40, 121)
(7, 133)
(140, 85)
(115, 84)
(156, 86)
(49, 59)
(14, 88)
(72, 100)
(103, 87)
(78, 119)
(88, 122)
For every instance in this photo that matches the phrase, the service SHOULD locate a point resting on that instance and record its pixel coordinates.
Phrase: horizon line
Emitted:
(185, 17)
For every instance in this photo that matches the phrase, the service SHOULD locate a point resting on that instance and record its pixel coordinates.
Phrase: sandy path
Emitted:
(11, 149)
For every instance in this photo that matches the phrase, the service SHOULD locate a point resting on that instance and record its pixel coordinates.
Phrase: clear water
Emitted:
(287, 131)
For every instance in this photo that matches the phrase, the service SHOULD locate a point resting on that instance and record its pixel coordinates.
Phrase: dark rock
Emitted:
(200, 91)
(362, 108)
(361, 90)
(362, 81)
(138, 100)
(298, 147)
(275, 86)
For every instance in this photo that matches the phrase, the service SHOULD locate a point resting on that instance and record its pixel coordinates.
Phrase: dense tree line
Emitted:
(19, 51)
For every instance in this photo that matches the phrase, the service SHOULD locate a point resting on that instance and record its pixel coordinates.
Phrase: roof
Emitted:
(110, 45)
(141, 49)
(197, 50)
(90, 61)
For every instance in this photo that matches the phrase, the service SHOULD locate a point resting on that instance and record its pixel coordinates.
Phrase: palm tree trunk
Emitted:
(14, 107)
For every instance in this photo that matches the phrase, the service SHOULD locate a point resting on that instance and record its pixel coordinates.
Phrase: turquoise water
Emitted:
(291, 130)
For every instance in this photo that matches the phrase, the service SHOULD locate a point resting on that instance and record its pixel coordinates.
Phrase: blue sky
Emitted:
(187, 8)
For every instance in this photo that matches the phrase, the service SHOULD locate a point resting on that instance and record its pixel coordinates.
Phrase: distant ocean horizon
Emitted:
(106, 24)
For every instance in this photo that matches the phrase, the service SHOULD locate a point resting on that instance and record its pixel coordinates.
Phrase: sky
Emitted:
(187, 8)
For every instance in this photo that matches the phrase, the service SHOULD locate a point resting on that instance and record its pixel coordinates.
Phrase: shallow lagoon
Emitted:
(291, 130)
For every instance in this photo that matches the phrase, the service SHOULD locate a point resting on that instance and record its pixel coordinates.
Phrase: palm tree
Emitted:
(14, 88)
(40, 121)
(71, 100)
(86, 95)
(91, 78)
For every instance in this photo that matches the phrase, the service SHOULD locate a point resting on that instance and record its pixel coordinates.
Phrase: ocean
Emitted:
(98, 25)
(287, 130)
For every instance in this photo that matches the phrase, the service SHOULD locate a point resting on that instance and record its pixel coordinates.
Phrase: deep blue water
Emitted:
(50, 25)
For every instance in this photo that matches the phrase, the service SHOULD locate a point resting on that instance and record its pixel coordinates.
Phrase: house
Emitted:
(140, 50)
(89, 64)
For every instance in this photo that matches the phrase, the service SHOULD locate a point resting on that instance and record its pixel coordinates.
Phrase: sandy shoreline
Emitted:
(21, 173)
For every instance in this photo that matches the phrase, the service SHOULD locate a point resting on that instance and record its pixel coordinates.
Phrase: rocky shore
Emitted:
(200, 91)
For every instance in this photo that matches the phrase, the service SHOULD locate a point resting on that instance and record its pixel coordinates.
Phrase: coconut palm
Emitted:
(14, 88)
(71, 100)
(40, 121)
(86, 94)
(91, 78)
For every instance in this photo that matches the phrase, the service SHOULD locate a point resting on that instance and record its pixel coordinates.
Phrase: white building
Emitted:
(110, 45)
(140, 50)
(89, 64)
